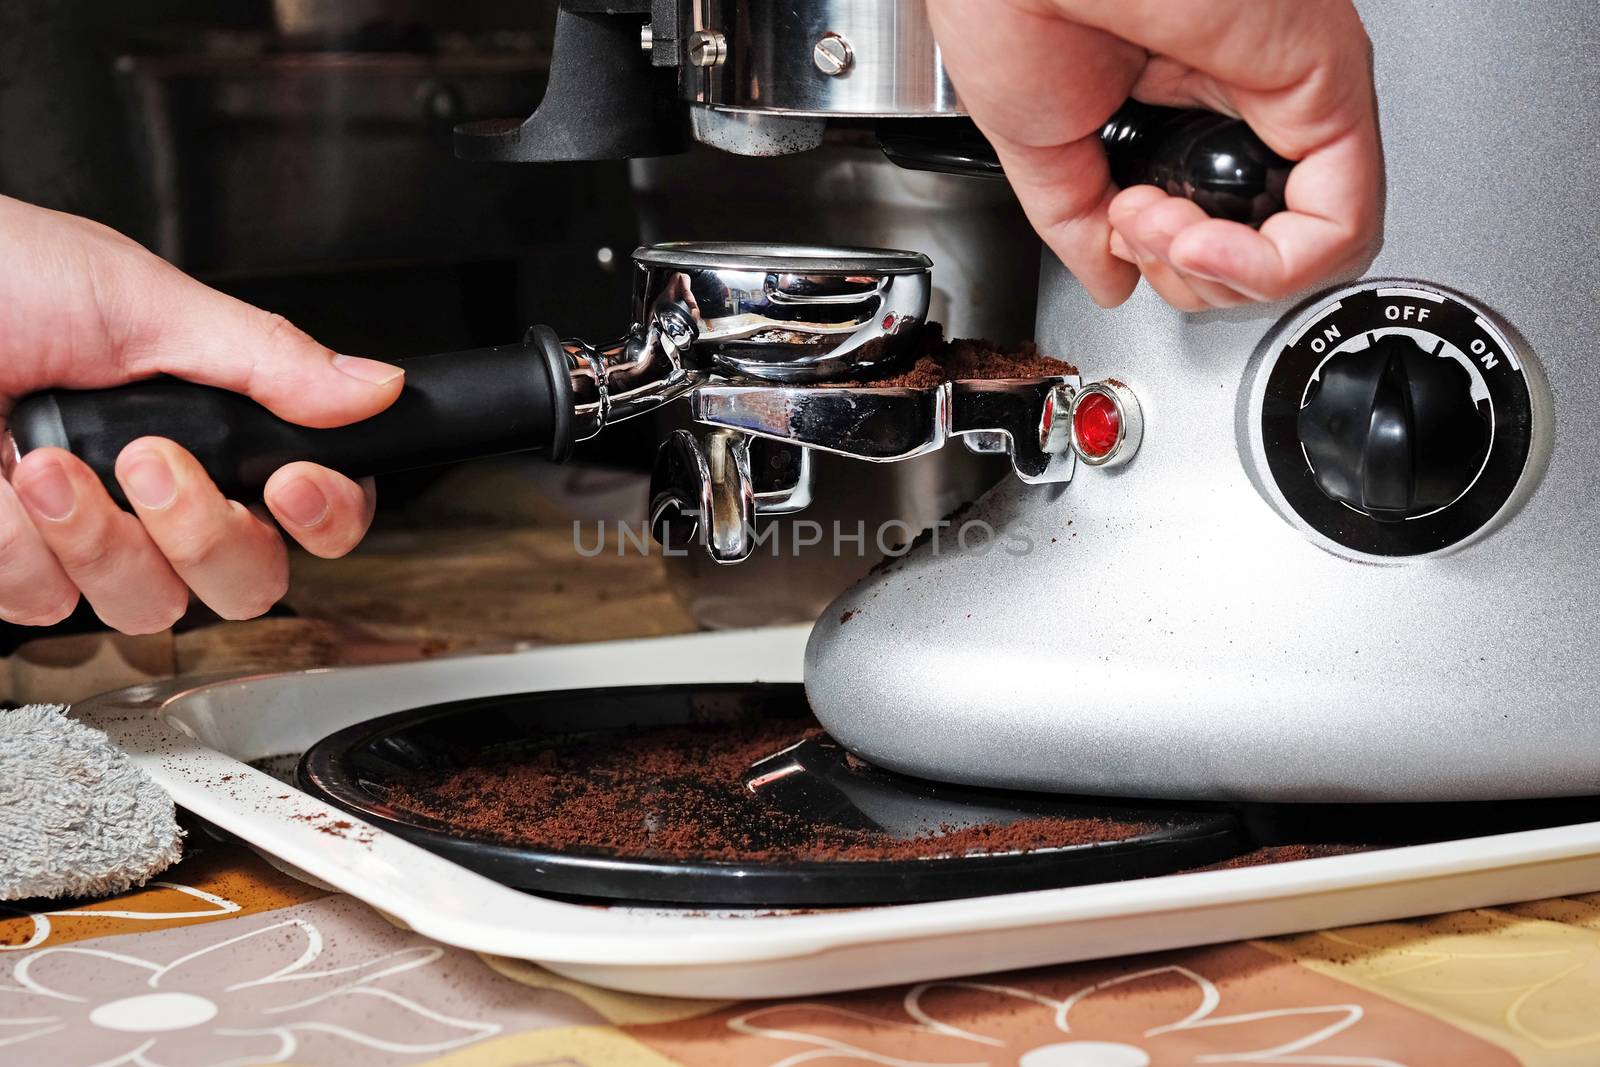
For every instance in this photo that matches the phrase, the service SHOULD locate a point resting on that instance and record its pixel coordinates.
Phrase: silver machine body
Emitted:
(1172, 627)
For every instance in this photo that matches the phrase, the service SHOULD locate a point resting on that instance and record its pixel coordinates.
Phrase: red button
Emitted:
(1097, 424)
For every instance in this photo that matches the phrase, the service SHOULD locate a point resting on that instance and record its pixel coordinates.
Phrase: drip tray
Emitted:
(731, 795)
(200, 740)
(721, 795)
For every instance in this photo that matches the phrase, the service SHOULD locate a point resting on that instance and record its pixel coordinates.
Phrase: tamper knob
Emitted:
(1393, 430)
(1216, 161)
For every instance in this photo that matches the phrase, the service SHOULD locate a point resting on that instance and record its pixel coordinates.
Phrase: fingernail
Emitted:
(48, 490)
(148, 480)
(1120, 249)
(301, 502)
(1220, 280)
(1141, 254)
(367, 370)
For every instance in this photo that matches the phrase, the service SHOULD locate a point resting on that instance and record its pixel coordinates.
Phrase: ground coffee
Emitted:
(933, 360)
(678, 792)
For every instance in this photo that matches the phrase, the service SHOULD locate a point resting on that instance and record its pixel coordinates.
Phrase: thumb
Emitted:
(191, 331)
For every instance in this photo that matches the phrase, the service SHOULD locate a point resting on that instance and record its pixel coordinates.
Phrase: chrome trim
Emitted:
(825, 57)
(794, 258)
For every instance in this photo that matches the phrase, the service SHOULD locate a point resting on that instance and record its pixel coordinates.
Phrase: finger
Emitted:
(102, 310)
(100, 547)
(1185, 293)
(1148, 220)
(1171, 286)
(1071, 215)
(322, 509)
(1152, 221)
(220, 341)
(1189, 292)
(1123, 213)
(1332, 225)
(34, 590)
(1313, 54)
(235, 563)
(161, 321)
(1040, 87)
(1217, 297)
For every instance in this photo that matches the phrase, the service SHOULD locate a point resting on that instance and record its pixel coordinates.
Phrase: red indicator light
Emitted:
(888, 321)
(1097, 425)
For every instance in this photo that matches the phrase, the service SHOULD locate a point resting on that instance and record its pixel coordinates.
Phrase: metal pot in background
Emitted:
(985, 280)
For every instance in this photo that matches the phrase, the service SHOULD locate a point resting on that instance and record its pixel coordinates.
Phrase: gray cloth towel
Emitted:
(77, 818)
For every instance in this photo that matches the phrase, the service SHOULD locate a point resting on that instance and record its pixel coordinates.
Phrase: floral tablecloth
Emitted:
(225, 961)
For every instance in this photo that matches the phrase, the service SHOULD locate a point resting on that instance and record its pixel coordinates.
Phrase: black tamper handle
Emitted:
(1216, 161)
(454, 406)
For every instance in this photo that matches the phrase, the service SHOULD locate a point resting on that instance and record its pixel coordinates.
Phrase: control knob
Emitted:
(1393, 430)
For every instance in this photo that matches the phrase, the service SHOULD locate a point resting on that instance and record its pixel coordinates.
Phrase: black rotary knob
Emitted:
(1392, 430)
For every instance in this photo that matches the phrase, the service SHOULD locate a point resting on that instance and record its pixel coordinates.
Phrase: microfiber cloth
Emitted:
(77, 818)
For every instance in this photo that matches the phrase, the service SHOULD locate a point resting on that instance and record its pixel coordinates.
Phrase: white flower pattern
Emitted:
(824, 1027)
(250, 998)
(43, 928)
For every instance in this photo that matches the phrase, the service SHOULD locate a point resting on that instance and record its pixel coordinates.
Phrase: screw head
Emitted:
(833, 55)
(707, 48)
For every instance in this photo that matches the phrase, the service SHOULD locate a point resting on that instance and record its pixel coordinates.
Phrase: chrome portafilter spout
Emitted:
(776, 349)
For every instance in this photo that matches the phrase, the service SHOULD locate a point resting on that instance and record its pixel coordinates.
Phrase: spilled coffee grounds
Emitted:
(678, 793)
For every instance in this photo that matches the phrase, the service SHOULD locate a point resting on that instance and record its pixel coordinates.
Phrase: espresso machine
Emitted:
(1331, 549)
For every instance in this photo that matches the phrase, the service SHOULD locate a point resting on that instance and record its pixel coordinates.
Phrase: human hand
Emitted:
(1040, 78)
(83, 307)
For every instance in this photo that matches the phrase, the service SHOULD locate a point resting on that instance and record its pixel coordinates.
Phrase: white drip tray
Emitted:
(197, 739)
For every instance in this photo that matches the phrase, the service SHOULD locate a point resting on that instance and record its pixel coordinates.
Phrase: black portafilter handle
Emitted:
(454, 406)
(1214, 160)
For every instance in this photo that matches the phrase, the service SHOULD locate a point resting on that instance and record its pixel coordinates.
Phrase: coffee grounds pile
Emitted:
(934, 360)
(677, 792)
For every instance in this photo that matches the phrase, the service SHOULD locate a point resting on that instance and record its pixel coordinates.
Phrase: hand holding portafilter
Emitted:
(763, 312)
(455, 406)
